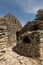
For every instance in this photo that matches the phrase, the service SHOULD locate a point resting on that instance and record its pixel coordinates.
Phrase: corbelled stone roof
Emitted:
(32, 25)
(13, 25)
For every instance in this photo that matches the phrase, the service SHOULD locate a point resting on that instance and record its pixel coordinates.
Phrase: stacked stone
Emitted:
(3, 41)
(41, 46)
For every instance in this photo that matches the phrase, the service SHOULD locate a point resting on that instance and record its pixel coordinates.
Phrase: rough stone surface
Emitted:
(32, 26)
(28, 50)
(13, 25)
(28, 45)
(30, 40)
(12, 58)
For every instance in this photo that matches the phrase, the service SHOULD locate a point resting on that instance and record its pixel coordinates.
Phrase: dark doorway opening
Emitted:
(26, 39)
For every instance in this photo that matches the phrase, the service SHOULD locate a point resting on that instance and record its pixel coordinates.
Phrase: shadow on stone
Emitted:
(29, 47)
(23, 51)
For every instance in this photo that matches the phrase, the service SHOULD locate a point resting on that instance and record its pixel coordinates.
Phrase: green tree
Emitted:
(39, 15)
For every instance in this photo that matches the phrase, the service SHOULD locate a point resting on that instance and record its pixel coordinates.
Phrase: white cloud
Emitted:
(30, 6)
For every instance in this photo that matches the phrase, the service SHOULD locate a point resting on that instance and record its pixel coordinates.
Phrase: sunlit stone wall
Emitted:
(3, 41)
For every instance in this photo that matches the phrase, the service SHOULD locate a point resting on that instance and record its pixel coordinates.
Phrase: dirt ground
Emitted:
(12, 58)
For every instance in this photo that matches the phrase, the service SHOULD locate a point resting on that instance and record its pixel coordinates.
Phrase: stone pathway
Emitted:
(12, 58)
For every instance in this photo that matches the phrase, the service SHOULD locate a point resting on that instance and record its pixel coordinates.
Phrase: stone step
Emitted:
(2, 42)
(1, 57)
(3, 45)
(1, 54)
(1, 48)
(3, 39)
(3, 36)
(6, 37)
(4, 49)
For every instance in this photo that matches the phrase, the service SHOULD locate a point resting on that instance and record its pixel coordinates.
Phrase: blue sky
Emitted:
(24, 10)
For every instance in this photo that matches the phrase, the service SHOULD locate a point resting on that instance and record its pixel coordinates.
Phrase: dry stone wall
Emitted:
(9, 25)
(3, 41)
(13, 25)
(29, 43)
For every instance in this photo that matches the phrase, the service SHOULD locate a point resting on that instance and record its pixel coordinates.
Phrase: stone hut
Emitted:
(9, 25)
(12, 25)
(30, 39)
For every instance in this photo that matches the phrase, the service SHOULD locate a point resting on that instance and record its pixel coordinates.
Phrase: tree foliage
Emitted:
(39, 15)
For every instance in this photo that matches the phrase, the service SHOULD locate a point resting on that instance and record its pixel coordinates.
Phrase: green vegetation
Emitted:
(39, 15)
